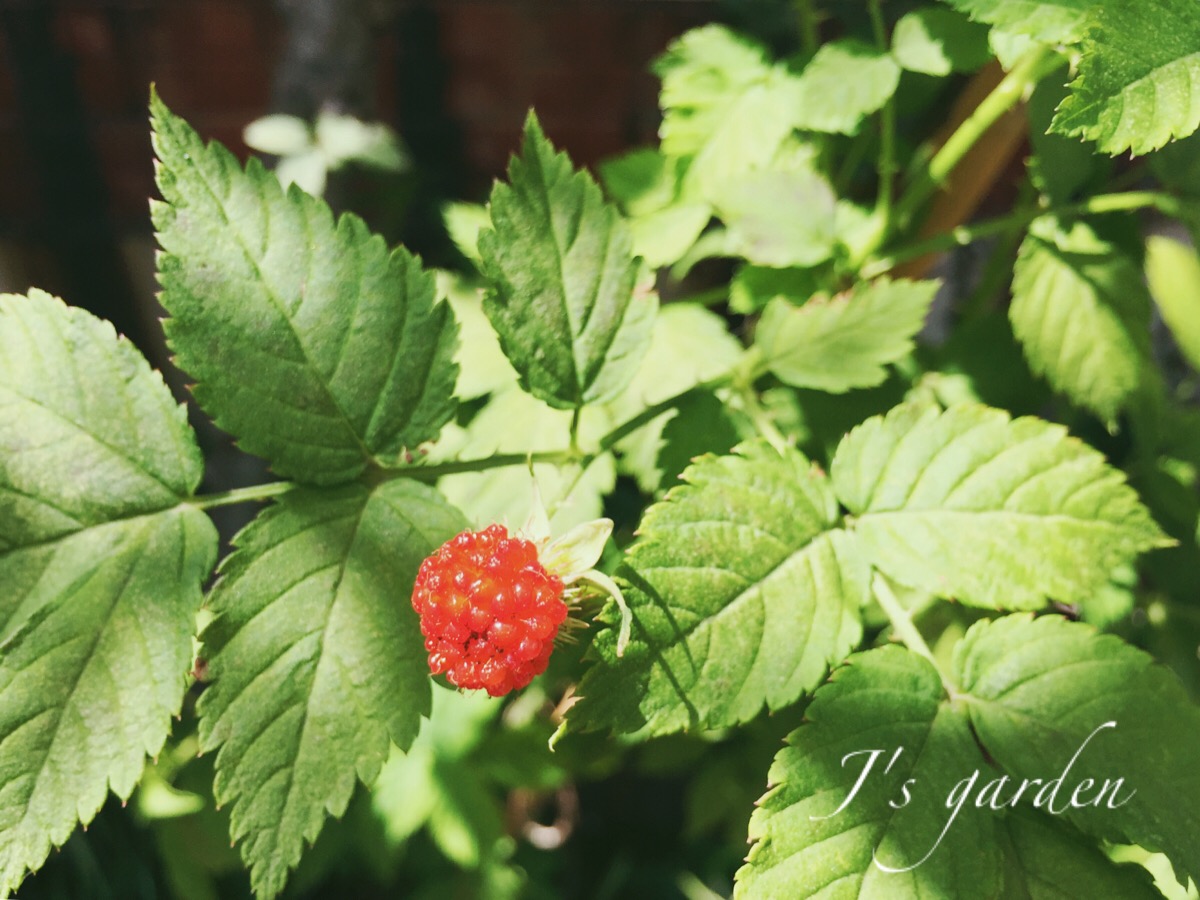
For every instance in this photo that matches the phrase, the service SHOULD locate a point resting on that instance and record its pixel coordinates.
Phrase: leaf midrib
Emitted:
(117, 452)
(272, 863)
(735, 604)
(60, 711)
(269, 291)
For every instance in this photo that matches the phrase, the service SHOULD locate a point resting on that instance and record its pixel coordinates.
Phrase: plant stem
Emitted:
(434, 471)
(887, 133)
(650, 413)
(575, 414)
(806, 21)
(903, 628)
(500, 460)
(707, 297)
(1028, 71)
(242, 495)
(423, 473)
(763, 423)
(1020, 218)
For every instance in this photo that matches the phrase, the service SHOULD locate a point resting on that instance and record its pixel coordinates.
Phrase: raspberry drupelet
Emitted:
(489, 610)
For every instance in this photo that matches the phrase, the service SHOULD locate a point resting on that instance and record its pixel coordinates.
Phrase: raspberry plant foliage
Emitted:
(840, 515)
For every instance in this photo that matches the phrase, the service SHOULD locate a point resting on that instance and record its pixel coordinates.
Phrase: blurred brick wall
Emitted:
(211, 59)
(583, 64)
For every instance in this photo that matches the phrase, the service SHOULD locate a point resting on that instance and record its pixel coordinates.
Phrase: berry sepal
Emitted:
(573, 557)
(492, 605)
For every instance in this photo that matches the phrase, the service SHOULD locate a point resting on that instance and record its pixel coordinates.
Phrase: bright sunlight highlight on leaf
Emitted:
(100, 571)
(991, 511)
(743, 591)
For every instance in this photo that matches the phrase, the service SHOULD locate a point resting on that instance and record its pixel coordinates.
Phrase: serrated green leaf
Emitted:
(779, 219)
(1173, 271)
(1061, 168)
(888, 700)
(316, 660)
(726, 107)
(802, 845)
(1138, 84)
(938, 41)
(561, 271)
(994, 512)
(690, 344)
(1049, 21)
(101, 564)
(310, 342)
(1038, 689)
(843, 83)
(835, 344)
(742, 589)
(1081, 313)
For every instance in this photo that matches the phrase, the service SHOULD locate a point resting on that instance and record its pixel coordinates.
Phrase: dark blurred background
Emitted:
(454, 78)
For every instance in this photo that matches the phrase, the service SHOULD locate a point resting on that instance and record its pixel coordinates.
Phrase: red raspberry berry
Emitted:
(489, 610)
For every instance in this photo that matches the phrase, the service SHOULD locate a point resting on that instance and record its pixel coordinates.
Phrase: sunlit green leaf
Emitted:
(743, 591)
(1138, 84)
(991, 511)
(561, 271)
(316, 660)
(843, 342)
(101, 563)
(312, 343)
(1081, 312)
